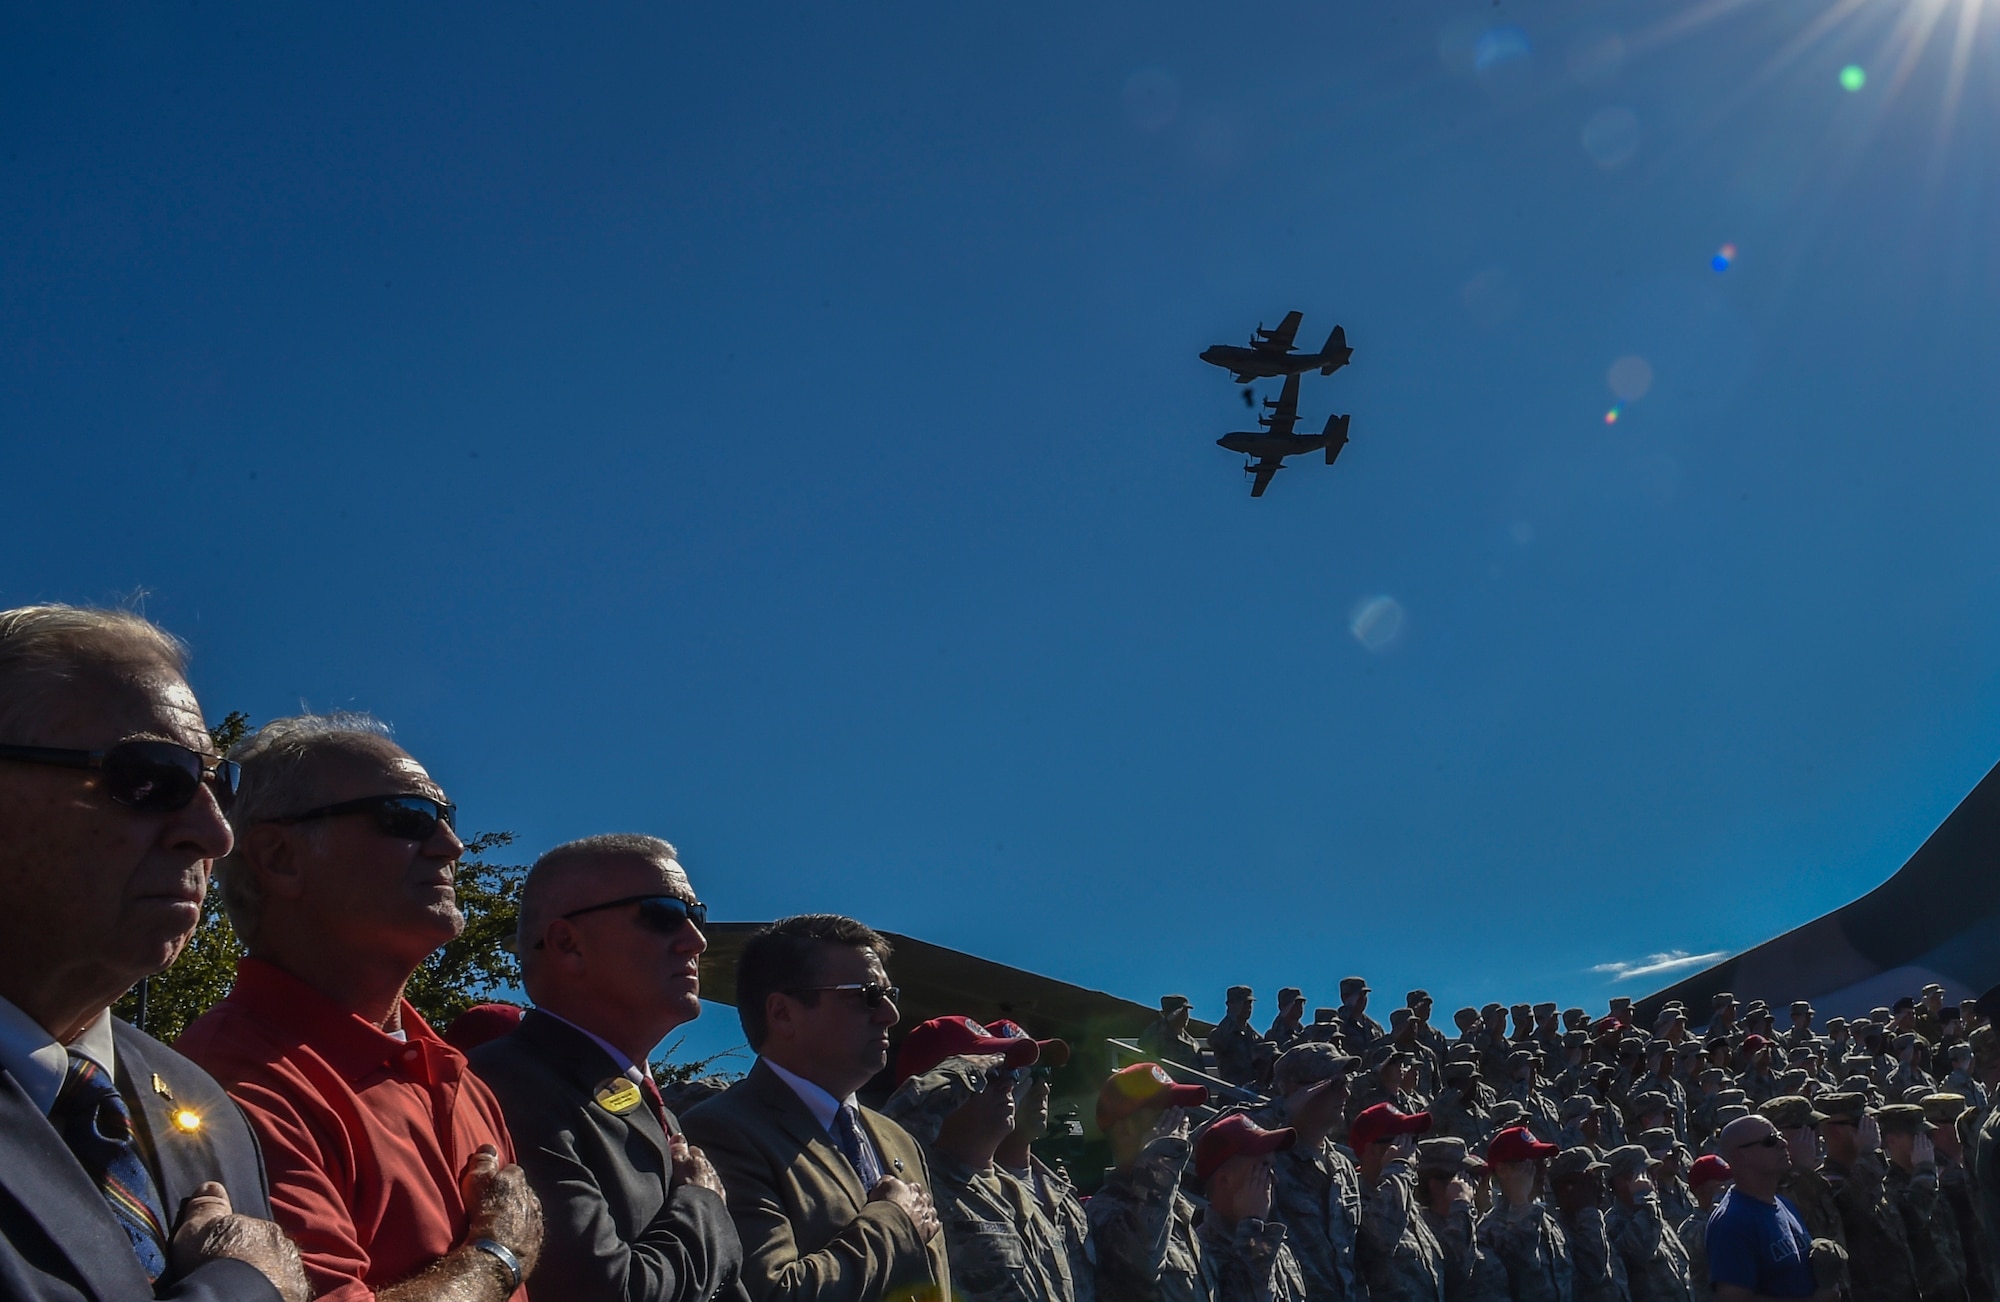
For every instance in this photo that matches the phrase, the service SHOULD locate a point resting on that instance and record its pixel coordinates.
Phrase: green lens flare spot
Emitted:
(1853, 77)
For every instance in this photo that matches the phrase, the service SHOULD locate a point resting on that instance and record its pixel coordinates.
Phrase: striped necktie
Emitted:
(853, 1143)
(94, 1121)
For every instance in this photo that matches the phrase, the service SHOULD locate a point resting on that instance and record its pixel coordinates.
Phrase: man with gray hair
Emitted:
(390, 1162)
(610, 944)
(124, 1171)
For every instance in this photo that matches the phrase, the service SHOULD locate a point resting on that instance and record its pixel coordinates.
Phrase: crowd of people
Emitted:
(311, 1136)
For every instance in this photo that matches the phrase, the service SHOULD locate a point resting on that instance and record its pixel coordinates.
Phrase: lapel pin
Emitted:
(897, 1163)
(160, 1088)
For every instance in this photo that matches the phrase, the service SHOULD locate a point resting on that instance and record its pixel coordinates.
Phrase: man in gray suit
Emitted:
(125, 1172)
(828, 1196)
(609, 941)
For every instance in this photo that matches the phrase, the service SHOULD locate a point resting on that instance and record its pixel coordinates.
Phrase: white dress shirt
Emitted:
(39, 1064)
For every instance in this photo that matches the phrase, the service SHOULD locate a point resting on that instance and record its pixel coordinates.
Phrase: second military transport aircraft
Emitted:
(1276, 441)
(1270, 353)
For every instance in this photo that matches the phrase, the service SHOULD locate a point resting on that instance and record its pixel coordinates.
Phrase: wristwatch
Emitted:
(503, 1254)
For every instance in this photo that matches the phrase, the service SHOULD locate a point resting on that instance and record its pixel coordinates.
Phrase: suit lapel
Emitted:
(798, 1122)
(897, 1159)
(586, 1066)
(183, 1160)
(45, 1178)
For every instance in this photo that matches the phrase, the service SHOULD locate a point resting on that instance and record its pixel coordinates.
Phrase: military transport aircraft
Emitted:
(1270, 353)
(1276, 441)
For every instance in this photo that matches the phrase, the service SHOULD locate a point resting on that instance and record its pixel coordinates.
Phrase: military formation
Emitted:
(1545, 1155)
(1270, 354)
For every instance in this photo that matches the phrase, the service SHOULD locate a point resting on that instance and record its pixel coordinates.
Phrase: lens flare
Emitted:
(1853, 77)
(1611, 417)
(1723, 257)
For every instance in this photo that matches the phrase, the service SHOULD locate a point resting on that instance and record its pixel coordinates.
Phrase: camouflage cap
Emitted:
(1985, 1043)
(1660, 1141)
(1575, 1019)
(1576, 1040)
(1903, 1119)
(1789, 1112)
(1714, 1074)
(1856, 1063)
(1882, 1016)
(1289, 995)
(1859, 1084)
(1944, 1109)
(1649, 1102)
(1544, 1010)
(1309, 1063)
(1722, 1000)
(1235, 993)
(1444, 1154)
(1836, 1023)
(1578, 1106)
(1847, 1107)
(1520, 1057)
(1629, 1160)
(1465, 1018)
(1906, 1040)
(1958, 1050)
(1573, 1162)
(1398, 1018)
(1170, 1002)
(1801, 1007)
(1416, 998)
(1622, 1004)
(1522, 1009)
(1729, 1112)
(1792, 1082)
(1323, 1015)
(1916, 1093)
(1932, 989)
(1351, 986)
(1507, 1112)
(1490, 1009)
(1459, 1070)
(1724, 1098)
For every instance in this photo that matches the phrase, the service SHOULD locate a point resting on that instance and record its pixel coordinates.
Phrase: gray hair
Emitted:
(45, 649)
(559, 861)
(282, 763)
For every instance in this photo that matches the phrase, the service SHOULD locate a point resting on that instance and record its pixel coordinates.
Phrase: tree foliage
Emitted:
(469, 970)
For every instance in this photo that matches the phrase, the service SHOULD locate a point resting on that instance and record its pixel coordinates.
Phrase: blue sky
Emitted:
(778, 428)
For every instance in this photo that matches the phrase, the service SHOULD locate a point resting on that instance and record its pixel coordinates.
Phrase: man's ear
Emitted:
(270, 851)
(780, 1016)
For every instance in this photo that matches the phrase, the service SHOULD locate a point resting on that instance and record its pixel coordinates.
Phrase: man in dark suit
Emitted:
(610, 942)
(828, 1196)
(125, 1172)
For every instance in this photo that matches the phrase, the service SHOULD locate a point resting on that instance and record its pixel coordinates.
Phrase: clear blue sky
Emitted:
(778, 428)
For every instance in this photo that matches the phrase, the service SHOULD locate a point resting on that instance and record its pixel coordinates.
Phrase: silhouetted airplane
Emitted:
(1270, 353)
(1276, 441)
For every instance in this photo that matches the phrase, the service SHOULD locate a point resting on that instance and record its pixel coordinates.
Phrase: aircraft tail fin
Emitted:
(1336, 436)
(1336, 351)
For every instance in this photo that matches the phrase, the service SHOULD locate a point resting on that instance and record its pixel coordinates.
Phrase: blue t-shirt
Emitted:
(1760, 1246)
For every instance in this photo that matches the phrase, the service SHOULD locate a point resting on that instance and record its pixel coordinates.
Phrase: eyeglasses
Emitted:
(873, 993)
(666, 914)
(153, 777)
(1768, 1141)
(405, 818)
(1006, 1077)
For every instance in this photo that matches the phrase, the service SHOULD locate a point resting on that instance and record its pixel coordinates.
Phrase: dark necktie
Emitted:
(97, 1125)
(651, 1089)
(854, 1146)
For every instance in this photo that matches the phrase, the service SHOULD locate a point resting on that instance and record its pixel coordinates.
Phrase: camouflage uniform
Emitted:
(1813, 1197)
(1002, 1248)
(1962, 1082)
(1597, 1274)
(1000, 1243)
(1932, 1234)
(1399, 1258)
(1056, 1198)
(1161, 1042)
(1471, 1273)
(1316, 1193)
(1359, 1030)
(1985, 1157)
(1880, 1267)
(1142, 1228)
(1693, 1234)
(1530, 1246)
(1656, 1263)
(1457, 1116)
(1249, 1263)
(1234, 1042)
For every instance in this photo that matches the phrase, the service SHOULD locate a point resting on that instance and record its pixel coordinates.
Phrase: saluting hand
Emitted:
(211, 1229)
(691, 1166)
(1174, 1122)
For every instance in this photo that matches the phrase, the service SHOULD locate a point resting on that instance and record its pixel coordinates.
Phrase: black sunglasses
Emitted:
(873, 993)
(154, 777)
(405, 818)
(1768, 1141)
(666, 914)
(1006, 1077)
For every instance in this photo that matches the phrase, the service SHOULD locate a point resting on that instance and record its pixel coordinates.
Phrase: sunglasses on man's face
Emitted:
(873, 993)
(153, 777)
(1768, 1141)
(1004, 1077)
(665, 914)
(402, 818)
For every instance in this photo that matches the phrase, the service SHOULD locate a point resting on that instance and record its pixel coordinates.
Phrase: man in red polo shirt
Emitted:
(389, 1162)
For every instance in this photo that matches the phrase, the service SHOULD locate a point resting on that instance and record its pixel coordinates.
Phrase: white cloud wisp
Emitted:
(1674, 960)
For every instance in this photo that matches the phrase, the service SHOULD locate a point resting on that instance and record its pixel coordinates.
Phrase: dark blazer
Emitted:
(613, 1231)
(59, 1241)
(809, 1232)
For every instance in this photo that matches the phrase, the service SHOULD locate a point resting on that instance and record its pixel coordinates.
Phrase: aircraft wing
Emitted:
(1280, 340)
(1263, 471)
(1285, 411)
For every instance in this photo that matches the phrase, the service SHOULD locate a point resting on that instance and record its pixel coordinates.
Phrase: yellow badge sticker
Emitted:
(618, 1095)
